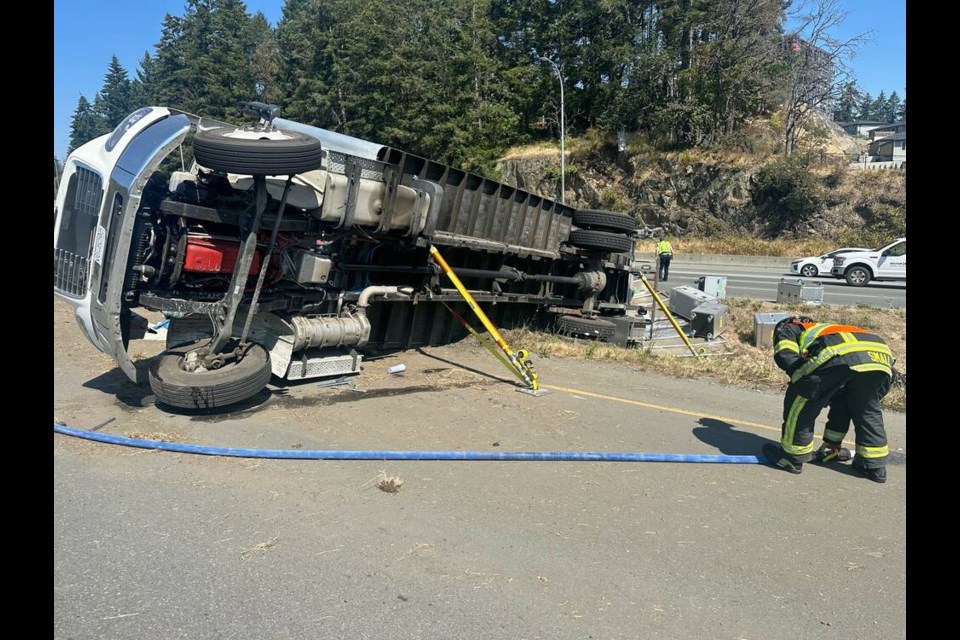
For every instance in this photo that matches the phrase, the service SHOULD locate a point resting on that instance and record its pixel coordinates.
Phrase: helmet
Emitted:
(792, 320)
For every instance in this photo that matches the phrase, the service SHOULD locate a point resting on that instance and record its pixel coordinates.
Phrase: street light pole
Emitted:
(563, 157)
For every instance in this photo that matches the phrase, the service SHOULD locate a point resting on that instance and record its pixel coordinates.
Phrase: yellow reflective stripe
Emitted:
(833, 436)
(873, 452)
(790, 428)
(787, 345)
(872, 366)
(838, 350)
(811, 334)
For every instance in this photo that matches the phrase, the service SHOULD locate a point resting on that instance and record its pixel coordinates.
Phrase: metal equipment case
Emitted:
(763, 324)
(684, 299)
(800, 291)
(709, 320)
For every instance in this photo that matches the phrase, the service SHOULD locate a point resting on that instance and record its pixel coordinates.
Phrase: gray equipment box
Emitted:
(709, 320)
(683, 300)
(763, 324)
(800, 291)
(715, 286)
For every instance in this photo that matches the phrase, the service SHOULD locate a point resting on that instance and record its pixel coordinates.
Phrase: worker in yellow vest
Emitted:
(664, 256)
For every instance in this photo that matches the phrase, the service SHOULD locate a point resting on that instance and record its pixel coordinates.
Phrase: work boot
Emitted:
(831, 453)
(877, 474)
(776, 458)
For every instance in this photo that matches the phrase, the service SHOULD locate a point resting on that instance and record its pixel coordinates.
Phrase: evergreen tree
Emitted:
(893, 107)
(145, 85)
(85, 125)
(848, 103)
(865, 111)
(878, 108)
(115, 100)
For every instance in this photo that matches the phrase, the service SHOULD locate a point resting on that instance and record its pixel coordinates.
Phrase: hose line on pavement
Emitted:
(304, 454)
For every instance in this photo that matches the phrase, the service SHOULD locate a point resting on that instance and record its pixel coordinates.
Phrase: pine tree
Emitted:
(893, 107)
(115, 100)
(144, 87)
(848, 103)
(85, 125)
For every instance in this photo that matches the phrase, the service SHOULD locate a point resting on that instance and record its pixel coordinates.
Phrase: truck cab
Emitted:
(886, 263)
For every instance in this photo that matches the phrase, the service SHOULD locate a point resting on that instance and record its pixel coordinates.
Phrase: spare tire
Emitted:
(592, 327)
(600, 241)
(234, 382)
(269, 153)
(599, 220)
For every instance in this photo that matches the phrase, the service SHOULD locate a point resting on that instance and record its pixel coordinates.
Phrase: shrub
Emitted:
(785, 195)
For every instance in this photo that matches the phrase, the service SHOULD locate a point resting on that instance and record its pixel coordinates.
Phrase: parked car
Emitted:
(814, 266)
(889, 262)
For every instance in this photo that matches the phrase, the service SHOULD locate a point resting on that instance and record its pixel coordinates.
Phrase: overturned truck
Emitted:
(293, 251)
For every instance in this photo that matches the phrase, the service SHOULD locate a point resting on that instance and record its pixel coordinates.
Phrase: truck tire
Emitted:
(600, 241)
(593, 327)
(232, 383)
(270, 153)
(598, 220)
(857, 276)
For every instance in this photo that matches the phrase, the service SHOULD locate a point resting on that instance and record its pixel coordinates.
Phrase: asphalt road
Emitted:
(761, 283)
(160, 545)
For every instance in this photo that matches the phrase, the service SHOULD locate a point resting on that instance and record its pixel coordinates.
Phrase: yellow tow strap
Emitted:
(516, 362)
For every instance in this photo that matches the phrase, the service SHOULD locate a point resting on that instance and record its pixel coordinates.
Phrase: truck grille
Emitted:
(69, 272)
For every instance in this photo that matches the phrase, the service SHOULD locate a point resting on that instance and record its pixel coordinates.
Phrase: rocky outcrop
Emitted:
(703, 194)
(683, 197)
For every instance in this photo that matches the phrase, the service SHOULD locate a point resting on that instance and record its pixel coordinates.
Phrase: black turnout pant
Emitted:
(853, 396)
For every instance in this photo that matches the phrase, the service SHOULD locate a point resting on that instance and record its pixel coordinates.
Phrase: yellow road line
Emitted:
(659, 407)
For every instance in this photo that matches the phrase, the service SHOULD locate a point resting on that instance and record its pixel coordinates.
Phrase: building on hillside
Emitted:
(817, 72)
(860, 128)
(888, 130)
(892, 148)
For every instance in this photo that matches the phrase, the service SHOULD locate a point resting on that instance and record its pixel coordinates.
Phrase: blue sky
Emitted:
(87, 32)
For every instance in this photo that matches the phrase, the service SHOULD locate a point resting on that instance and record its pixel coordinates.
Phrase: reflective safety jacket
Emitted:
(801, 349)
(663, 247)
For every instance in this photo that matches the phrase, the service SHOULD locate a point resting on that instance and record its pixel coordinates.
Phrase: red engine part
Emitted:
(215, 255)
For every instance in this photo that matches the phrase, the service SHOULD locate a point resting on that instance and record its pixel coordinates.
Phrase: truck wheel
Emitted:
(592, 327)
(599, 220)
(270, 153)
(232, 383)
(857, 276)
(600, 241)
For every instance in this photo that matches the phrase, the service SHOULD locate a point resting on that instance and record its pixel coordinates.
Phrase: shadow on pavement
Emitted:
(724, 437)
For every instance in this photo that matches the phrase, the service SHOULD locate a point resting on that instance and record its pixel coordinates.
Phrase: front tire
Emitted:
(234, 382)
(809, 271)
(857, 276)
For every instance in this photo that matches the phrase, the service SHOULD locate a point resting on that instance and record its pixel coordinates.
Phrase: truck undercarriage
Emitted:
(292, 251)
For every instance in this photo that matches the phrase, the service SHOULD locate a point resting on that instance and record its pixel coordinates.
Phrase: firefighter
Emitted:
(664, 256)
(846, 367)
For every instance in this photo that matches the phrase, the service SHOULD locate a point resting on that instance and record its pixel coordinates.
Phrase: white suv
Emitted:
(885, 263)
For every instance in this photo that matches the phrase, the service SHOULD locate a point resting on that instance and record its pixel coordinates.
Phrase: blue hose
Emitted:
(297, 454)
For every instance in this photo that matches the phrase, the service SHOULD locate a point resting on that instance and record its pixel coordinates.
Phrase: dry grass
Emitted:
(389, 484)
(533, 150)
(748, 365)
(158, 436)
(744, 246)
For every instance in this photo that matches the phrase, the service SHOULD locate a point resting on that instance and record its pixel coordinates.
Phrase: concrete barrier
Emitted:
(720, 259)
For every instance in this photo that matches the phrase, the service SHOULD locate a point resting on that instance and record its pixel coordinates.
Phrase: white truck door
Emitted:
(893, 262)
